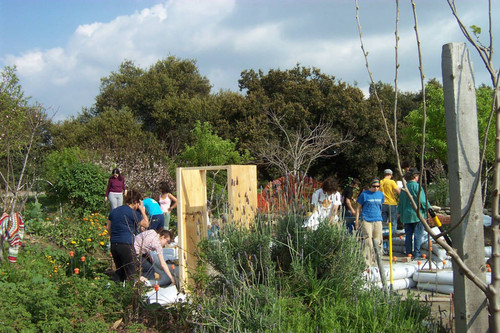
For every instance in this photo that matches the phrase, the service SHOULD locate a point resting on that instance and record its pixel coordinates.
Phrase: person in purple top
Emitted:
(370, 206)
(115, 190)
(123, 221)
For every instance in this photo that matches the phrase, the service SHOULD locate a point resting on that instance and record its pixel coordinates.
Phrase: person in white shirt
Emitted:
(326, 202)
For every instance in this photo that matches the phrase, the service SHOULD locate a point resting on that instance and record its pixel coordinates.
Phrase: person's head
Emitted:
(406, 165)
(165, 237)
(165, 187)
(116, 173)
(387, 173)
(329, 185)
(355, 183)
(133, 198)
(412, 174)
(374, 185)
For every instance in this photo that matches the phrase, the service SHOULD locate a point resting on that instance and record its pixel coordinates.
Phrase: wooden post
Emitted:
(463, 167)
(192, 210)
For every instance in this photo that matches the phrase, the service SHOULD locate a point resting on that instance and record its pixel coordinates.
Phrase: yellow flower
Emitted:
(73, 242)
(89, 239)
(102, 243)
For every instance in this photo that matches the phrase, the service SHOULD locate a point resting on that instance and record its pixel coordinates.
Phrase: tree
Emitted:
(300, 98)
(166, 98)
(21, 133)
(435, 123)
(209, 149)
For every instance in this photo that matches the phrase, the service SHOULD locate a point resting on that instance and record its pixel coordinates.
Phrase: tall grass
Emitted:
(282, 278)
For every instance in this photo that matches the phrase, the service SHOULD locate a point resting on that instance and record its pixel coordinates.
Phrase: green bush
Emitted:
(82, 186)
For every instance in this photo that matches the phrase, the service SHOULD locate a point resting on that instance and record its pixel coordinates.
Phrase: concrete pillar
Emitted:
(463, 166)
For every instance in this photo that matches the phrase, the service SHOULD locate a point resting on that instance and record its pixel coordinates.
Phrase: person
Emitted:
(155, 214)
(406, 165)
(325, 203)
(414, 230)
(167, 202)
(370, 205)
(348, 204)
(115, 189)
(148, 241)
(390, 207)
(121, 226)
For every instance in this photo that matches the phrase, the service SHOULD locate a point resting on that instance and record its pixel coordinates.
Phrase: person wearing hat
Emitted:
(414, 230)
(390, 207)
(370, 205)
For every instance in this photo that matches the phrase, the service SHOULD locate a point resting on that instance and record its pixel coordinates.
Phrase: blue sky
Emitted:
(63, 48)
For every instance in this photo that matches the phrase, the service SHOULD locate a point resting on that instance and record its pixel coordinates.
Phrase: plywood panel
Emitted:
(242, 193)
(192, 226)
(192, 207)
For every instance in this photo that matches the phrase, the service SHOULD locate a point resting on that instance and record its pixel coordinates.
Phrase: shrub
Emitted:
(315, 288)
(82, 185)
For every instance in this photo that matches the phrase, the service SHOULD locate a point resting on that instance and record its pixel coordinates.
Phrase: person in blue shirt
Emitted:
(370, 206)
(123, 221)
(155, 214)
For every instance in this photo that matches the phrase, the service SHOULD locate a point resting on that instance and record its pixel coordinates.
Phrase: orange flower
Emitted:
(71, 253)
(77, 270)
(82, 259)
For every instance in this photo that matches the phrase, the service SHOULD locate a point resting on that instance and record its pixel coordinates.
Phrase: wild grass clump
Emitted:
(283, 278)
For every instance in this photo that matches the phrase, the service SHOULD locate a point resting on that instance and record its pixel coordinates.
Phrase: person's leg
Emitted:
(147, 269)
(394, 218)
(166, 218)
(118, 261)
(114, 200)
(418, 234)
(349, 221)
(367, 245)
(409, 229)
(129, 260)
(119, 199)
(377, 235)
(385, 213)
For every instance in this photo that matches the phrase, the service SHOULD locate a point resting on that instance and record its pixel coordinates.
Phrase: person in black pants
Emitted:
(122, 223)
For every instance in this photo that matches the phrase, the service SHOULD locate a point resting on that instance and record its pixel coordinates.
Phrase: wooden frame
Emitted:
(192, 211)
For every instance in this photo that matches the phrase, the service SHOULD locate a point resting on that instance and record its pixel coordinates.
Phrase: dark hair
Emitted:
(410, 175)
(406, 164)
(132, 197)
(116, 172)
(330, 185)
(165, 233)
(165, 187)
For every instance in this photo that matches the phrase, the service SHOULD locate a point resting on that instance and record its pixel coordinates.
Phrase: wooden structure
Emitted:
(192, 210)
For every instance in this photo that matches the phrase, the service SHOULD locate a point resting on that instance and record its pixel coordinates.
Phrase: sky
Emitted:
(62, 48)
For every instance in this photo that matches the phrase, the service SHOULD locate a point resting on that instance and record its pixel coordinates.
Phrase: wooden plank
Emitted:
(242, 194)
(192, 224)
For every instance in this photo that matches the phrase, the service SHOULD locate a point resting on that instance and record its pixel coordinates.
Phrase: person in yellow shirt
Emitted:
(390, 207)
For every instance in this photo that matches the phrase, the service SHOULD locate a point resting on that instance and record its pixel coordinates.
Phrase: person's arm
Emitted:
(397, 190)
(145, 221)
(173, 200)
(164, 266)
(358, 211)
(349, 205)
(107, 191)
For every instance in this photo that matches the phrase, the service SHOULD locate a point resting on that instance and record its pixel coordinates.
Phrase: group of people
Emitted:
(382, 201)
(138, 230)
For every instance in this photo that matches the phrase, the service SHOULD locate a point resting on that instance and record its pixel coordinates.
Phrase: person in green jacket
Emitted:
(414, 230)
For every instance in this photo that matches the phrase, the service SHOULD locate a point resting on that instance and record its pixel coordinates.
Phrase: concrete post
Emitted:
(463, 166)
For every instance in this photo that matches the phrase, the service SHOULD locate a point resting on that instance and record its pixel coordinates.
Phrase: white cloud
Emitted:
(227, 37)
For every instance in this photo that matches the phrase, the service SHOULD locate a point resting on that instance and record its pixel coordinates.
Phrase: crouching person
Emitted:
(152, 240)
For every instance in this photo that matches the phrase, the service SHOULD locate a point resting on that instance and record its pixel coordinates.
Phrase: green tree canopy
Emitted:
(436, 145)
(209, 149)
